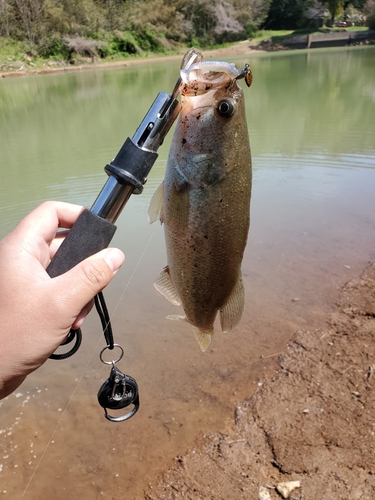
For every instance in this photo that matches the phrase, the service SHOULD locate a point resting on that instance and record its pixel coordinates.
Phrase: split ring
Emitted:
(114, 360)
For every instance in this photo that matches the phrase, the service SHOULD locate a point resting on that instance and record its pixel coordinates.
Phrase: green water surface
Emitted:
(311, 121)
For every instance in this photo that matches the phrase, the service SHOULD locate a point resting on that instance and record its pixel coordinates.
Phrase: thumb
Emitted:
(79, 285)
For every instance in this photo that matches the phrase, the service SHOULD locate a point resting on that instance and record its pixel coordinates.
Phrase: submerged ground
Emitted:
(313, 422)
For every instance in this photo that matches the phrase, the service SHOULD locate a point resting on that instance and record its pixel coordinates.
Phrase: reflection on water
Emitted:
(311, 118)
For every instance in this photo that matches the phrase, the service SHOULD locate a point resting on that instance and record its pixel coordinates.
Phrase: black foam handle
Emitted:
(89, 234)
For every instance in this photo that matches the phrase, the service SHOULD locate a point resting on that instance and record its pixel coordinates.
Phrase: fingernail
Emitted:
(114, 258)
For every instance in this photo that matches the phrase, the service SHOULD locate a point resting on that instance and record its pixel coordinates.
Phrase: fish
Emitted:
(204, 200)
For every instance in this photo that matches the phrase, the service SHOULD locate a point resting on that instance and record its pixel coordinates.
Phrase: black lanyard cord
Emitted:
(101, 307)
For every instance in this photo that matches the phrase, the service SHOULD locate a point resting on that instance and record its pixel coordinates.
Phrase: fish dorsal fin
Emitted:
(164, 285)
(231, 312)
(203, 338)
(155, 211)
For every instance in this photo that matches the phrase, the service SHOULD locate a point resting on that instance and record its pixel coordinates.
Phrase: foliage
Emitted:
(9, 47)
(293, 14)
(357, 4)
(287, 14)
(369, 10)
(124, 42)
(251, 29)
(103, 28)
(353, 16)
(335, 8)
(53, 47)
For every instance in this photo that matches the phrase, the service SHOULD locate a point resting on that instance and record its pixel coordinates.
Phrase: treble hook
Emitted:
(246, 74)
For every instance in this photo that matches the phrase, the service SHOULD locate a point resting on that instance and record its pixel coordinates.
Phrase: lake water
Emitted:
(311, 119)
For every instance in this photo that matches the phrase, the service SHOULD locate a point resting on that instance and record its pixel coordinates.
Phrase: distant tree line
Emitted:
(60, 28)
(292, 14)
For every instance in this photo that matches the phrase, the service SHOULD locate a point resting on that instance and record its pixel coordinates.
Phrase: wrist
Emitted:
(9, 383)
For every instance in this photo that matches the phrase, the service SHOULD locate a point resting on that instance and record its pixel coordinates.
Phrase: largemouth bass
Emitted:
(204, 200)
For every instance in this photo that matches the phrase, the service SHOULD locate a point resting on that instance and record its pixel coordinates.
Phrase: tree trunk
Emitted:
(30, 12)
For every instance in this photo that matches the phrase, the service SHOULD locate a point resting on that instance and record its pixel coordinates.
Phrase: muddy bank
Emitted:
(53, 67)
(241, 48)
(313, 422)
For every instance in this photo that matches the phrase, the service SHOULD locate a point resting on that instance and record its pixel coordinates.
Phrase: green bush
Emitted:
(123, 42)
(53, 46)
(251, 29)
(104, 51)
(149, 41)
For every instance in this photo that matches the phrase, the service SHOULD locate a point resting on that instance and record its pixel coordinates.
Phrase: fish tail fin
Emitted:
(203, 337)
(155, 211)
(231, 312)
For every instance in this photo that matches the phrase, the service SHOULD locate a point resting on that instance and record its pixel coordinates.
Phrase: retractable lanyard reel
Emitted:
(94, 229)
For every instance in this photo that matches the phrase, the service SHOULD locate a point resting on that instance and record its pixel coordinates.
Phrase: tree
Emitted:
(369, 10)
(30, 14)
(251, 13)
(334, 7)
(4, 18)
(357, 4)
(287, 14)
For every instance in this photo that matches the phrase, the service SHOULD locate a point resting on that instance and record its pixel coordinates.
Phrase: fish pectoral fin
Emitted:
(155, 211)
(203, 337)
(231, 312)
(164, 285)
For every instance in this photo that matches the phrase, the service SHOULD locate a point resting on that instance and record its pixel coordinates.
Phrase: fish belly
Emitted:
(206, 231)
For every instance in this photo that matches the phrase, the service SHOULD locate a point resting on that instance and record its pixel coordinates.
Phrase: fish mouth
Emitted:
(198, 76)
(203, 76)
(208, 71)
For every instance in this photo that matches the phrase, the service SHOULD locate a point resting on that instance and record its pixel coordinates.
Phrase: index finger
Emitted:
(45, 220)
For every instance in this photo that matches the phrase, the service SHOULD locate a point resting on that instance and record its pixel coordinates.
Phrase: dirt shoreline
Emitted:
(241, 48)
(313, 422)
(237, 49)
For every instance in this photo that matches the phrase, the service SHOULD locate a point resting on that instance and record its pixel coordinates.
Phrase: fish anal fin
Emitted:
(203, 338)
(155, 211)
(164, 285)
(231, 312)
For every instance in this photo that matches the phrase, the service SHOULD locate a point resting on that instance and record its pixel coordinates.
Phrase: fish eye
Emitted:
(225, 108)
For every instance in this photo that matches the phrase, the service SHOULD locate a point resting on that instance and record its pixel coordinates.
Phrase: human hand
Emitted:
(36, 311)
